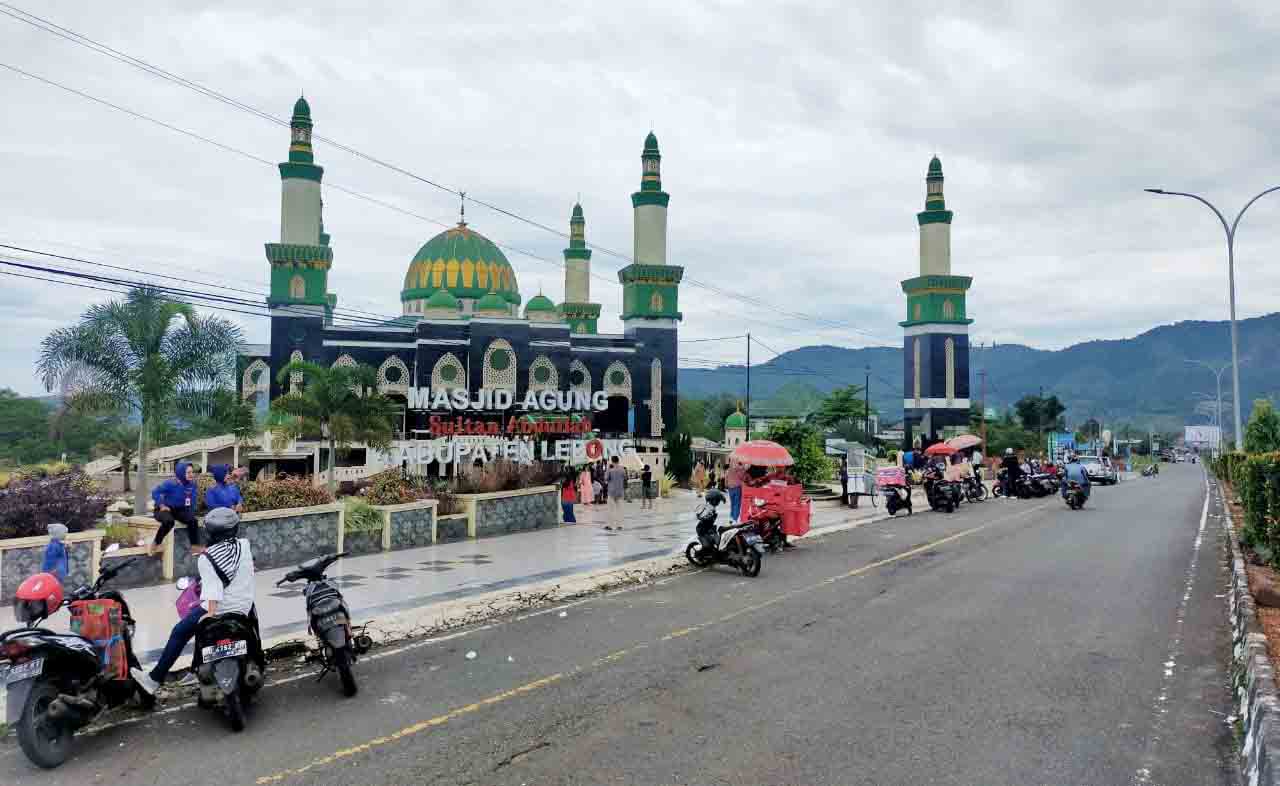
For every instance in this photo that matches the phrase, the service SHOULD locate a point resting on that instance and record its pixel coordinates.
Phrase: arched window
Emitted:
(915, 365)
(655, 398)
(917, 313)
(393, 376)
(579, 377)
(543, 374)
(948, 309)
(295, 379)
(256, 379)
(950, 345)
(499, 366)
(617, 380)
(448, 373)
(297, 287)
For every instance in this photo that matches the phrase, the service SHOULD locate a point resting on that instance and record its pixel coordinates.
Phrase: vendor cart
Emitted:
(787, 495)
(862, 479)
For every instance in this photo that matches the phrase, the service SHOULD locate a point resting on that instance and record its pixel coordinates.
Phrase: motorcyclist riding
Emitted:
(1074, 471)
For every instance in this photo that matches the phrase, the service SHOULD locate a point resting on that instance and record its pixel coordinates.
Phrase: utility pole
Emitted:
(748, 413)
(866, 406)
(982, 405)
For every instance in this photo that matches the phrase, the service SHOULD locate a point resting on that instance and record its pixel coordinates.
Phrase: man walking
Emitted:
(844, 480)
(615, 488)
(646, 488)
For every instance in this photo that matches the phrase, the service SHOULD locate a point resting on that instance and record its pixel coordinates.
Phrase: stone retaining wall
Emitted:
(1252, 676)
(410, 526)
(143, 572)
(505, 512)
(366, 542)
(22, 557)
(452, 527)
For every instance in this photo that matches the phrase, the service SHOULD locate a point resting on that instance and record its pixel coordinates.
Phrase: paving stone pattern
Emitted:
(504, 515)
(17, 564)
(355, 543)
(412, 528)
(450, 528)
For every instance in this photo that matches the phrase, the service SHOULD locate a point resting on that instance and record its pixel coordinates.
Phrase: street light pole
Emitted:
(1231, 284)
(1217, 375)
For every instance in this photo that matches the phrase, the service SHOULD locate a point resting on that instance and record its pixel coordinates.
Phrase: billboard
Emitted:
(1203, 438)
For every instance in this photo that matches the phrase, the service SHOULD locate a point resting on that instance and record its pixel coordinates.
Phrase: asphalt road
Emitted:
(1013, 642)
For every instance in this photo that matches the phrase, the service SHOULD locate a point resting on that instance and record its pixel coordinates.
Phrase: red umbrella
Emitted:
(762, 453)
(939, 449)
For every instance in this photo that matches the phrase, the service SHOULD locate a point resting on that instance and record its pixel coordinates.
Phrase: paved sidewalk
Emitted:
(382, 583)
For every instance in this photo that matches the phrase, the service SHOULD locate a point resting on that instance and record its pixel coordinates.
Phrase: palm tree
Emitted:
(341, 404)
(147, 355)
(121, 441)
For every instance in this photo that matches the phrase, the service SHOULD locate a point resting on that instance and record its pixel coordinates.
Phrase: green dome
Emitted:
(651, 143)
(465, 263)
(539, 302)
(736, 420)
(492, 301)
(443, 298)
(301, 108)
(935, 166)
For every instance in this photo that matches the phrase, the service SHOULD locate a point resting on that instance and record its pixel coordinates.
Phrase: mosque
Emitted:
(462, 325)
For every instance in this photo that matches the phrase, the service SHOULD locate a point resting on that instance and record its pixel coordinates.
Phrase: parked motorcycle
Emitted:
(765, 517)
(974, 489)
(1150, 470)
(942, 494)
(738, 546)
(1075, 496)
(330, 621)
(58, 682)
(1043, 484)
(228, 662)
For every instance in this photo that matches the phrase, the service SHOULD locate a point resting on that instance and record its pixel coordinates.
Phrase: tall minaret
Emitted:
(650, 302)
(300, 262)
(577, 308)
(935, 226)
(650, 204)
(936, 330)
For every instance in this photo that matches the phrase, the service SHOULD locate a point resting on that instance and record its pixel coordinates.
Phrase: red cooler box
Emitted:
(795, 517)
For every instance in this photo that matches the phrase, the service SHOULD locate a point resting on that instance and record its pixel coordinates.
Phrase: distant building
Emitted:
(735, 429)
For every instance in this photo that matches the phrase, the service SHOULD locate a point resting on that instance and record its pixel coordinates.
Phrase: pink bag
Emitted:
(188, 600)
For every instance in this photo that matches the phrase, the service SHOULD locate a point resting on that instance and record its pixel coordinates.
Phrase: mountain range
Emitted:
(1145, 381)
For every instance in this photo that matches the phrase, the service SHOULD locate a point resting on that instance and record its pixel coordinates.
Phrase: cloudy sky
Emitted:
(794, 138)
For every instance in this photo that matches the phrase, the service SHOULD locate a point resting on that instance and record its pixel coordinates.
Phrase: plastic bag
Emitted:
(188, 600)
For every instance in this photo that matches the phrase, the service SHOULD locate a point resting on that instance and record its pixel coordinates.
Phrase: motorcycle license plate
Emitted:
(23, 671)
(231, 649)
(329, 620)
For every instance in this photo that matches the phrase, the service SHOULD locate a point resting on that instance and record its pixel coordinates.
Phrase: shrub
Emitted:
(449, 503)
(361, 516)
(123, 534)
(665, 484)
(389, 488)
(280, 494)
(504, 475)
(29, 504)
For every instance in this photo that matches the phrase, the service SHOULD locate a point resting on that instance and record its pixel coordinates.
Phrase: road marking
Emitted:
(529, 687)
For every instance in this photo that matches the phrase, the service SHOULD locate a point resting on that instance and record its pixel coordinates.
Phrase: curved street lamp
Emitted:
(1231, 284)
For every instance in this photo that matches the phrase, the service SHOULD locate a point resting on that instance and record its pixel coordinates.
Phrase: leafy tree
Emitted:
(1040, 412)
(24, 427)
(147, 355)
(842, 409)
(340, 404)
(1262, 434)
(121, 441)
(807, 448)
(679, 455)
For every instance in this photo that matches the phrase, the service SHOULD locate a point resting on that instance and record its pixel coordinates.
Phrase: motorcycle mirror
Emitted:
(183, 583)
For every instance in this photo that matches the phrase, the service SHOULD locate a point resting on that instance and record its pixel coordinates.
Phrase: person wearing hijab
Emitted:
(223, 494)
(175, 500)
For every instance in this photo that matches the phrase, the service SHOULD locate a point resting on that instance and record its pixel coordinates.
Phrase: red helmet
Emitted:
(39, 596)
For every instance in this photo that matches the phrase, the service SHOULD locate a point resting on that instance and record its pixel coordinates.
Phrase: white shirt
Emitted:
(977, 457)
(236, 597)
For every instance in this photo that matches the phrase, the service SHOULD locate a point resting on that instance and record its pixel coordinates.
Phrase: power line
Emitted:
(161, 73)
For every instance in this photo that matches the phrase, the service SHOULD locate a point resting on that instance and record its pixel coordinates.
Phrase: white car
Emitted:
(1099, 470)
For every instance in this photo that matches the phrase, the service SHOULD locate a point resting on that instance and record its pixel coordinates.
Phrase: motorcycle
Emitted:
(738, 545)
(1075, 495)
(228, 662)
(766, 519)
(1150, 470)
(330, 621)
(58, 683)
(942, 494)
(974, 489)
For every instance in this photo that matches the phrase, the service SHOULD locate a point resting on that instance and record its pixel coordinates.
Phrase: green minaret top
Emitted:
(935, 207)
(577, 236)
(650, 192)
(300, 133)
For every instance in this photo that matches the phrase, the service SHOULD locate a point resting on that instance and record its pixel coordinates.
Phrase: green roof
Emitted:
(577, 211)
(464, 262)
(492, 301)
(935, 166)
(301, 109)
(736, 420)
(539, 302)
(651, 143)
(442, 298)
